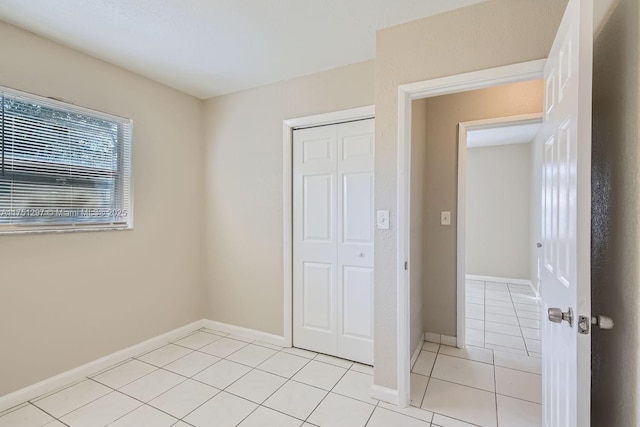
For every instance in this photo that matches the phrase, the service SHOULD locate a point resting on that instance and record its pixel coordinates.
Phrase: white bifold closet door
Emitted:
(333, 231)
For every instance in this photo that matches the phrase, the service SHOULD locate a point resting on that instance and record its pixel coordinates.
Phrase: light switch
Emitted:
(382, 220)
(445, 218)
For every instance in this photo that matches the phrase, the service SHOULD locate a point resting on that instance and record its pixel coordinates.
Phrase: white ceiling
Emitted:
(502, 135)
(211, 47)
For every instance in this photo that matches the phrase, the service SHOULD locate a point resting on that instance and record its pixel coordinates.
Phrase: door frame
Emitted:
(461, 225)
(288, 126)
(531, 70)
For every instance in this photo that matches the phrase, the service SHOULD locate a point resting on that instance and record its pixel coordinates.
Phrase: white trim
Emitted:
(450, 341)
(461, 236)
(525, 282)
(403, 223)
(531, 70)
(442, 339)
(246, 333)
(65, 378)
(432, 337)
(416, 352)
(461, 225)
(359, 113)
(287, 230)
(385, 394)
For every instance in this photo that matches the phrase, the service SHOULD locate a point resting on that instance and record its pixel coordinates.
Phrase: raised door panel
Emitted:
(357, 208)
(317, 290)
(357, 295)
(317, 208)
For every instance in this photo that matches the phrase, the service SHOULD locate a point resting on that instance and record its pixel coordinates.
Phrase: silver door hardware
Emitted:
(556, 315)
(539, 245)
(603, 322)
(584, 324)
(406, 265)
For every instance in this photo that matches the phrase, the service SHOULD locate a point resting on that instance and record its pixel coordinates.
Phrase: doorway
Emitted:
(328, 233)
(565, 136)
(499, 209)
(407, 95)
(439, 366)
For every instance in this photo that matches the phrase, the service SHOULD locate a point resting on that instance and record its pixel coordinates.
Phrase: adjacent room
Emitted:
(318, 213)
(491, 190)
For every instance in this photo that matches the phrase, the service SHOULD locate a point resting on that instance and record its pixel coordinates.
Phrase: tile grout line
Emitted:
(135, 398)
(238, 379)
(325, 396)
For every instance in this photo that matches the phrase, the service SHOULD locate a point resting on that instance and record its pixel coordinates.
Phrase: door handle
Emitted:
(538, 245)
(556, 315)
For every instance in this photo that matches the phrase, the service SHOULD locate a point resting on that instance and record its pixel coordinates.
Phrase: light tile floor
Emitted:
(477, 387)
(209, 378)
(504, 317)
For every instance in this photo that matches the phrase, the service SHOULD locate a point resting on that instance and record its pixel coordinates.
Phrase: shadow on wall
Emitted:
(615, 235)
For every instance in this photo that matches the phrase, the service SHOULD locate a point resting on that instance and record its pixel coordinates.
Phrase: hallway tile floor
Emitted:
(504, 317)
(477, 387)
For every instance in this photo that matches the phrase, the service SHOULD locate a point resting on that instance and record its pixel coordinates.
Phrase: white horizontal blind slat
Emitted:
(62, 167)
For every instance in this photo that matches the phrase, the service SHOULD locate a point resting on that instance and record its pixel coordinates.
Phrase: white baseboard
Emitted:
(245, 332)
(525, 282)
(51, 384)
(417, 351)
(385, 394)
(441, 339)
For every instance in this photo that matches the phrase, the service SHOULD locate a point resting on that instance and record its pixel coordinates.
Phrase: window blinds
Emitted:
(62, 167)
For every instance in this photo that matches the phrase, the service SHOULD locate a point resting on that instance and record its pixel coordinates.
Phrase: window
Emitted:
(62, 167)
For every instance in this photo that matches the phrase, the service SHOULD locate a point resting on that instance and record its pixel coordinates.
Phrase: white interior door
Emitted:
(333, 239)
(566, 221)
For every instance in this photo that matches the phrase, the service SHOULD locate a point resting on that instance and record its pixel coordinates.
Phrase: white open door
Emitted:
(333, 232)
(566, 221)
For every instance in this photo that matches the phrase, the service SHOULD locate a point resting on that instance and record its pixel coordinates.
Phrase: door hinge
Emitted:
(406, 265)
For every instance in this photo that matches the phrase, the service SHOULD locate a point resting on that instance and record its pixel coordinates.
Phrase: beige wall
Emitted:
(441, 186)
(418, 159)
(243, 215)
(489, 34)
(498, 211)
(67, 299)
(616, 217)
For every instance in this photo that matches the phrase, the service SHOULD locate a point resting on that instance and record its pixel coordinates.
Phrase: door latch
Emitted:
(584, 323)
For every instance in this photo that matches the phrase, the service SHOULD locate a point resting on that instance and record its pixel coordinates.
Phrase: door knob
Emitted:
(539, 245)
(361, 254)
(556, 315)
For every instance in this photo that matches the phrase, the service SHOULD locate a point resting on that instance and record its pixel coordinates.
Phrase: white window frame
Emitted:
(127, 172)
